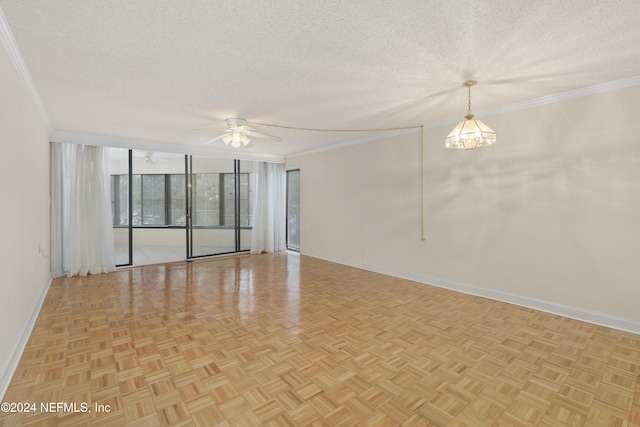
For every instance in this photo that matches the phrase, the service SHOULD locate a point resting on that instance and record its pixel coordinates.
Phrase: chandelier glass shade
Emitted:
(470, 133)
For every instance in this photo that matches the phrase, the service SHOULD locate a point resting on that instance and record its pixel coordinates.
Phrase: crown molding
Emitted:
(18, 63)
(564, 96)
(373, 137)
(536, 102)
(548, 99)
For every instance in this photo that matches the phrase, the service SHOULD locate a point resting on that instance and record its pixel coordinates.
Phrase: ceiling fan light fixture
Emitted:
(238, 138)
(238, 134)
(470, 133)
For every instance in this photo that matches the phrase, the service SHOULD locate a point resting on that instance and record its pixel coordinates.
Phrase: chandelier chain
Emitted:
(421, 174)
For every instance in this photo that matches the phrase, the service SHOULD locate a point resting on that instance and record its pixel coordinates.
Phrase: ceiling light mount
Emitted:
(470, 133)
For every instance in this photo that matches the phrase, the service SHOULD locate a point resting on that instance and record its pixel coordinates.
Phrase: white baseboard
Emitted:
(599, 319)
(10, 367)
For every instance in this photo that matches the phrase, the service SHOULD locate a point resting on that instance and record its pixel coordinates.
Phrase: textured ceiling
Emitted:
(169, 71)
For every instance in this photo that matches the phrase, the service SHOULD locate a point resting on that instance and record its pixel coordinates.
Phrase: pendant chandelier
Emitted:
(470, 133)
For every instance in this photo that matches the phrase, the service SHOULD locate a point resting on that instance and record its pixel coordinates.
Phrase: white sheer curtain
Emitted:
(81, 224)
(268, 234)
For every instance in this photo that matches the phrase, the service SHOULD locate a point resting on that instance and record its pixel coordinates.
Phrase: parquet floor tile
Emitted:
(288, 340)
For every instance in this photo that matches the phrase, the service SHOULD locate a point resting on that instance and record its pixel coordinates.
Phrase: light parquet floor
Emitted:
(288, 340)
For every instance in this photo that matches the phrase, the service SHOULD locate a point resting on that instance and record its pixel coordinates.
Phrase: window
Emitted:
(153, 200)
(177, 200)
(160, 200)
(246, 193)
(206, 199)
(228, 184)
(120, 200)
(293, 209)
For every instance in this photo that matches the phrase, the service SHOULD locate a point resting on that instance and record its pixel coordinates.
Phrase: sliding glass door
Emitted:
(120, 163)
(246, 179)
(159, 207)
(293, 210)
(158, 197)
(218, 206)
(148, 205)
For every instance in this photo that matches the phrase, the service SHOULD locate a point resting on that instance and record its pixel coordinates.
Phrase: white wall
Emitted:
(546, 217)
(24, 216)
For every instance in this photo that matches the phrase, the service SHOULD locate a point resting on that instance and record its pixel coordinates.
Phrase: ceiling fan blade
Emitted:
(215, 139)
(259, 135)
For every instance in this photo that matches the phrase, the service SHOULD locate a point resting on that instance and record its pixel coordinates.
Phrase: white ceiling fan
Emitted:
(239, 134)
